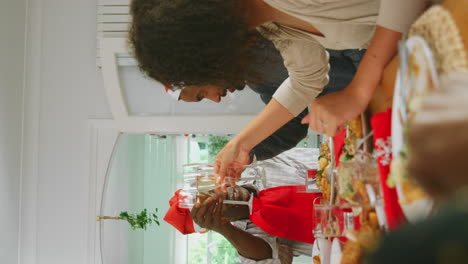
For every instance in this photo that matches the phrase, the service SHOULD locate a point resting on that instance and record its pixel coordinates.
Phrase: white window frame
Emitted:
(166, 124)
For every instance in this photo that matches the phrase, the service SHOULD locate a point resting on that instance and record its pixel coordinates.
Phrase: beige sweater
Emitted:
(345, 24)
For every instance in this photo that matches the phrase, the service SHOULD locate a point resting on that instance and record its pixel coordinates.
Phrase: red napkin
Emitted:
(338, 141)
(179, 217)
(284, 212)
(381, 124)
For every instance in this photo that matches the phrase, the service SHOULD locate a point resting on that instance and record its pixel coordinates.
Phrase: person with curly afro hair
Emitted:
(208, 44)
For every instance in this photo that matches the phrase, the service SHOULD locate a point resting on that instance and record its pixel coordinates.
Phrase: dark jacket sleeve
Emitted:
(343, 66)
(288, 136)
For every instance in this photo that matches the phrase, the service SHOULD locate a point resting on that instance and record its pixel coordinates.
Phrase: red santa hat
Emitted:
(173, 93)
(180, 217)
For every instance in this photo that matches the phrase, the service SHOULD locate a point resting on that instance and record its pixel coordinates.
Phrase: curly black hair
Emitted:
(193, 42)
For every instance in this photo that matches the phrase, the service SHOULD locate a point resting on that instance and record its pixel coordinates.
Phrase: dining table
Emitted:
(383, 99)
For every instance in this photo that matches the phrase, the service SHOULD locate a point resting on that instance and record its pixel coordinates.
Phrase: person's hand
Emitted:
(230, 161)
(329, 113)
(209, 215)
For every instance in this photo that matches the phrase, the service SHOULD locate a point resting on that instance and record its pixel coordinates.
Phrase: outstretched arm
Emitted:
(210, 216)
(236, 152)
(331, 111)
(285, 138)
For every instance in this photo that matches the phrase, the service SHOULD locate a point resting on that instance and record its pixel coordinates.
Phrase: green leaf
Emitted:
(141, 220)
(123, 215)
(348, 157)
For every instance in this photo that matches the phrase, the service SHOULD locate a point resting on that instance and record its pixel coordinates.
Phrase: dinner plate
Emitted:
(416, 77)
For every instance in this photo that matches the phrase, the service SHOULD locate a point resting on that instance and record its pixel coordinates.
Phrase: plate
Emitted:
(416, 77)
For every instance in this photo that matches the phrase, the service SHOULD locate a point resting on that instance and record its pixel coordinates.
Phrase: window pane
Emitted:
(211, 248)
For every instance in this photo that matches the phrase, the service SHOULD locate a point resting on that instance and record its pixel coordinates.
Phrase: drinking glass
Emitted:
(359, 182)
(202, 176)
(331, 220)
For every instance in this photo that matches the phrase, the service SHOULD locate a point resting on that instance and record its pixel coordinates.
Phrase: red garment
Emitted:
(284, 212)
(381, 124)
(179, 217)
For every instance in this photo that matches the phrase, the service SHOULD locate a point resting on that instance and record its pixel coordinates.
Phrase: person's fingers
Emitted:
(217, 162)
(314, 122)
(231, 178)
(235, 176)
(326, 124)
(215, 211)
(203, 210)
(340, 127)
(217, 216)
(233, 182)
(221, 172)
(331, 129)
(239, 172)
(209, 215)
(219, 212)
(214, 207)
(317, 126)
(306, 119)
(194, 211)
(220, 193)
(313, 126)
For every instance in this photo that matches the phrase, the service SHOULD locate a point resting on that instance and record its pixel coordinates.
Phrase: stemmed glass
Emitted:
(202, 177)
(200, 182)
(331, 220)
(189, 197)
(359, 182)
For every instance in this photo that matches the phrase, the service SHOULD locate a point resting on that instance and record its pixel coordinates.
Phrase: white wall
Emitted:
(63, 90)
(12, 25)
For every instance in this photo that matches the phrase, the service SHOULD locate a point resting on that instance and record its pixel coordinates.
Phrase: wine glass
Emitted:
(359, 182)
(331, 220)
(202, 176)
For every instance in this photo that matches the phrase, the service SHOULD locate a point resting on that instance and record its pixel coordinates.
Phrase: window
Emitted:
(146, 171)
(210, 247)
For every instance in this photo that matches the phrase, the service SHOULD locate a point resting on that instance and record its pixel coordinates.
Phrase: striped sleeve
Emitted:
(281, 254)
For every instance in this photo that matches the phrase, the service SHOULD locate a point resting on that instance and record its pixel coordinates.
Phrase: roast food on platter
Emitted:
(363, 241)
(353, 135)
(358, 180)
(316, 259)
(324, 163)
(411, 191)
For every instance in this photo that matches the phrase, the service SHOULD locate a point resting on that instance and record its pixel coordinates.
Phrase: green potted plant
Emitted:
(136, 221)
